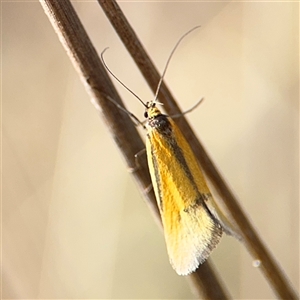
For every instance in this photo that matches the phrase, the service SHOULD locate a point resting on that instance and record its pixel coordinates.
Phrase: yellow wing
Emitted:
(191, 231)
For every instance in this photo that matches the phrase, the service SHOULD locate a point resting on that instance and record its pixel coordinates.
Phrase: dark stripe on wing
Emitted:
(164, 127)
(157, 177)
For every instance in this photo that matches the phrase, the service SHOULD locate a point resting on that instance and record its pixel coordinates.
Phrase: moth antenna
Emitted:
(168, 61)
(113, 75)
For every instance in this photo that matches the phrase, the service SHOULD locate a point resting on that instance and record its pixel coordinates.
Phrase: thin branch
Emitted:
(253, 242)
(87, 63)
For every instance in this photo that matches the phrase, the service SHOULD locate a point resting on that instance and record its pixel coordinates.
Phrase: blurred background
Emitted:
(73, 222)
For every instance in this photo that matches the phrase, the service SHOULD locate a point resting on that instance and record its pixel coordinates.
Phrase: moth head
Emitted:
(151, 110)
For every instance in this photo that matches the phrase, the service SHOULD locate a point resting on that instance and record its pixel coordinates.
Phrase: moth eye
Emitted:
(146, 114)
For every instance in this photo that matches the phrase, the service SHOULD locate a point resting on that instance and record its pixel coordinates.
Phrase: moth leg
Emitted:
(148, 189)
(187, 111)
(136, 158)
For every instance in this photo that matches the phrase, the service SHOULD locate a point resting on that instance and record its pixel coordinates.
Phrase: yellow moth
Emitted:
(192, 230)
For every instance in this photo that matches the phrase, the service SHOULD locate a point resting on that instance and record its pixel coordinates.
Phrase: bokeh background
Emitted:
(73, 222)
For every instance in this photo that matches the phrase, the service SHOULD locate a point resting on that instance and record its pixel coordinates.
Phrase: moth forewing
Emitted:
(191, 231)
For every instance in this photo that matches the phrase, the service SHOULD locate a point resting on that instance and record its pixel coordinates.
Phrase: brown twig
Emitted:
(253, 242)
(87, 63)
